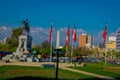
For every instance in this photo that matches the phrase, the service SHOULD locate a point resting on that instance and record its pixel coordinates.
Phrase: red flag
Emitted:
(50, 34)
(67, 36)
(74, 34)
(105, 34)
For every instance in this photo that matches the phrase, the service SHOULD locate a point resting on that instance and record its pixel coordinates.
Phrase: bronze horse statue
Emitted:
(26, 26)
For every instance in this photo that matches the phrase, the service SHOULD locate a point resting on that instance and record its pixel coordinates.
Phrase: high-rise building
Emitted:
(89, 41)
(85, 40)
(118, 40)
(82, 41)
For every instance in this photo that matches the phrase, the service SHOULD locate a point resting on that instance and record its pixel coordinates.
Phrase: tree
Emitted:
(64, 51)
(45, 44)
(81, 51)
(45, 47)
(1, 45)
(16, 33)
(36, 48)
(117, 55)
(94, 52)
(12, 42)
(14, 36)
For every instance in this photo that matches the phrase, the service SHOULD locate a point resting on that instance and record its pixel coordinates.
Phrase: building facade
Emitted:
(111, 44)
(85, 40)
(118, 39)
(89, 41)
(82, 41)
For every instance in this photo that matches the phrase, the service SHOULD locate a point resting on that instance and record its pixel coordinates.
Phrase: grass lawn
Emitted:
(37, 73)
(110, 70)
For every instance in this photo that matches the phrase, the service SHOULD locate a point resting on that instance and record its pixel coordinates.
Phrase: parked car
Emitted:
(92, 59)
(86, 59)
(118, 62)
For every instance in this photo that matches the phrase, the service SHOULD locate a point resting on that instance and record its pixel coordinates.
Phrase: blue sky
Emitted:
(88, 15)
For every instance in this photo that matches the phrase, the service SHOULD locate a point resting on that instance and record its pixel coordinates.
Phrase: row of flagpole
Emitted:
(75, 39)
(67, 40)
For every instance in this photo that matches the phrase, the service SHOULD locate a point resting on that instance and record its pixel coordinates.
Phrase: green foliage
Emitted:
(15, 33)
(81, 51)
(1, 45)
(76, 52)
(64, 49)
(91, 52)
(7, 47)
(36, 51)
(117, 54)
(45, 51)
(45, 44)
(45, 48)
(12, 43)
(42, 49)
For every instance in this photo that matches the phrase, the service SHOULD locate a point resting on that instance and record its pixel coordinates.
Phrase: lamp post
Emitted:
(57, 51)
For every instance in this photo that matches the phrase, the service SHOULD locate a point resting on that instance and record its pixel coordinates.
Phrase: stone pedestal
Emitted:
(25, 42)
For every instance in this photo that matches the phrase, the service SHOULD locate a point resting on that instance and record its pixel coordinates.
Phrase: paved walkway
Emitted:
(61, 65)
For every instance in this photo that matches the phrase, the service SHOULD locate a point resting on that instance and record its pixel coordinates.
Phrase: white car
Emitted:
(118, 62)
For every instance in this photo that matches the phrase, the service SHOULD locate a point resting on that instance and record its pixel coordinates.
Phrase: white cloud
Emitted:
(81, 31)
(40, 34)
(46, 32)
(63, 29)
(100, 33)
(5, 32)
(97, 38)
(4, 28)
(113, 34)
(117, 30)
(38, 30)
(33, 30)
(77, 30)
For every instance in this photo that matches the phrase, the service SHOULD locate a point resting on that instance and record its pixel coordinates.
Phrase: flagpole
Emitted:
(67, 41)
(106, 52)
(51, 43)
(66, 52)
(73, 40)
(72, 51)
(106, 46)
(51, 50)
